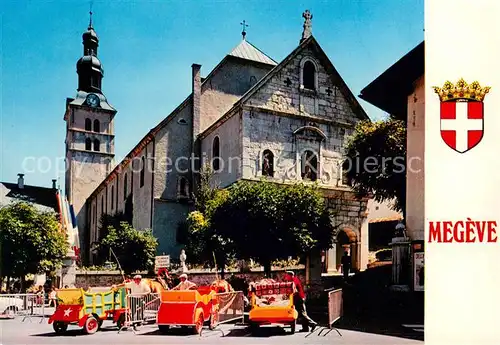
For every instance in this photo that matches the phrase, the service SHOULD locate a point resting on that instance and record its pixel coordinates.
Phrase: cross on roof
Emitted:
(90, 12)
(245, 25)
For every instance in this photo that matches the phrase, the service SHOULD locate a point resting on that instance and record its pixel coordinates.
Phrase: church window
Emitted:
(309, 166)
(97, 145)
(253, 80)
(346, 166)
(112, 197)
(309, 75)
(143, 167)
(97, 126)
(88, 144)
(88, 124)
(125, 186)
(267, 163)
(182, 121)
(183, 189)
(216, 154)
(102, 205)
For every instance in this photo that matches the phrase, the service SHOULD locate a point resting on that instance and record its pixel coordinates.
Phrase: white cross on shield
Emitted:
(462, 125)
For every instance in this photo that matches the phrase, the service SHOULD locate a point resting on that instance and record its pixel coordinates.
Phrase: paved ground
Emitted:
(32, 331)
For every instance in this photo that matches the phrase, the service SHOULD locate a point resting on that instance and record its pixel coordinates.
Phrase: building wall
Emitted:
(293, 99)
(230, 150)
(173, 145)
(111, 199)
(263, 130)
(378, 210)
(226, 85)
(415, 183)
(168, 214)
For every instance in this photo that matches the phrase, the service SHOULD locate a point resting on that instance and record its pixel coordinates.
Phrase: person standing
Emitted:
(139, 288)
(346, 265)
(299, 300)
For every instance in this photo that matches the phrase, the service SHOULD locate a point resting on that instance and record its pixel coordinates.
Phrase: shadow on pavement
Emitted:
(74, 332)
(373, 327)
(261, 332)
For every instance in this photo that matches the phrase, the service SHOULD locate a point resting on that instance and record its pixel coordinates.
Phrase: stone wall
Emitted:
(108, 278)
(226, 85)
(263, 130)
(284, 92)
(230, 148)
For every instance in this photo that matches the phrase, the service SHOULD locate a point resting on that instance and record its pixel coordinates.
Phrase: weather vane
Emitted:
(245, 25)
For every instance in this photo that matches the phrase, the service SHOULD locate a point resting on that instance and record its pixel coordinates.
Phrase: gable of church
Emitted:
(307, 84)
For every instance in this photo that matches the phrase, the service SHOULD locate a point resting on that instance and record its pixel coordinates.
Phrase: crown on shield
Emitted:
(461, 90)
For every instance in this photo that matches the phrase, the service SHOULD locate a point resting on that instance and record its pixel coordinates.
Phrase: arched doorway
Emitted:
(347, 240)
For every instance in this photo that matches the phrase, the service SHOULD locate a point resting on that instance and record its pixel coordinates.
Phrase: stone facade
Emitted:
(288, 112)
(228, 82)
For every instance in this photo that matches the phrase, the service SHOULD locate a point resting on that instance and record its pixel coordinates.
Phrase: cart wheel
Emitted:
(91, 325)
(199, 324)
(121, 321)
(292, 327)
(60, 327)
(163, 328)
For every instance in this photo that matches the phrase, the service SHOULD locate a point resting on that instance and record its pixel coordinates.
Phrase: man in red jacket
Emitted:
(299, 301)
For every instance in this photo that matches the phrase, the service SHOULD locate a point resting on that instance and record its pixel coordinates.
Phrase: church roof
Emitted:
(246, 50)
(344, 89)
(399, 79)
(42, 198)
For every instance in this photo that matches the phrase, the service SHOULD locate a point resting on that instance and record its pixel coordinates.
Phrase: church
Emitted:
(251, 117)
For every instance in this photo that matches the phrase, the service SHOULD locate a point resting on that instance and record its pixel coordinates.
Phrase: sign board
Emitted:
(418, 271)
(162, 261)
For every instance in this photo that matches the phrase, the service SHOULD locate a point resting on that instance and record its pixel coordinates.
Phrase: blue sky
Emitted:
(147, 48)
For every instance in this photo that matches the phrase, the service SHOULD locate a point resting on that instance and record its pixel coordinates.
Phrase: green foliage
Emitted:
(31, 240)
(107, 221)
(203, 242)
(134, 249)
(266, 221)
(377, 155)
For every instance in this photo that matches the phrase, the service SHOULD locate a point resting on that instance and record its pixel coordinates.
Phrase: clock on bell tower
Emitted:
(89, 130)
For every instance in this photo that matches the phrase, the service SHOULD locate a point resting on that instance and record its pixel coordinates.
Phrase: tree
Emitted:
(31, 240)
(203, 242)
(266, 221)
(376, 161)
(107, 222)
(134, 249)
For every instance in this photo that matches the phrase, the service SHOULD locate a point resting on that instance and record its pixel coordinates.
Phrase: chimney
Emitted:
(54, 184)
(196, 99)
(20, 181)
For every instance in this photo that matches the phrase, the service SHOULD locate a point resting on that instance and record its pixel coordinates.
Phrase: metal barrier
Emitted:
(26, 305)
(142, 309)
(231, 306)
(334, 306)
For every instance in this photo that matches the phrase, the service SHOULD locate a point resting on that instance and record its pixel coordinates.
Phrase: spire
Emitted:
(307, 25)
(90, 21)
(244, 32)
(89, 68)
(90, 13)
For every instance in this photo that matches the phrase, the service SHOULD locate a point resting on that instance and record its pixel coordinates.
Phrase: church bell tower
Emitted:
(89, 131)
